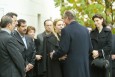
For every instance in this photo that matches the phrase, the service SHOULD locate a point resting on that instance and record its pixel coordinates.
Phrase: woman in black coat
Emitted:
(101, 39)
(53, 67)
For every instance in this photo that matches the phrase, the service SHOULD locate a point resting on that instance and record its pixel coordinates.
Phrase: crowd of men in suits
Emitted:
(17, 51)
(20, 55)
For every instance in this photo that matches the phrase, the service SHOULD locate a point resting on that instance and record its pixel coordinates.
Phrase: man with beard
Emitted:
(26, 46)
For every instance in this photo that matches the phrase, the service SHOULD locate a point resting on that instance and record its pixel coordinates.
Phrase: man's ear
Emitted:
(9, 25)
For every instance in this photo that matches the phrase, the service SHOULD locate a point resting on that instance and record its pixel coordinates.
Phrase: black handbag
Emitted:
(101, 62)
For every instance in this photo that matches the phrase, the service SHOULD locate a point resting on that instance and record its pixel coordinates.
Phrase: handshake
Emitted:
(61, 58)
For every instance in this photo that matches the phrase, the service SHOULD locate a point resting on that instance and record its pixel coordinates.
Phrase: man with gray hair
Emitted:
(75, 42)
(11, 60)
(13, 16)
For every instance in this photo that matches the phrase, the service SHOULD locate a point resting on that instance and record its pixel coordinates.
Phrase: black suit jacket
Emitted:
(11, 60)
(29, 53)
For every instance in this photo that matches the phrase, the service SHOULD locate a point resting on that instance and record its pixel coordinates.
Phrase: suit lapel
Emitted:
(18, 37)
(43, 34)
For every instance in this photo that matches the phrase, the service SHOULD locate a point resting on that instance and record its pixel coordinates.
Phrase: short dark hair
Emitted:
(46, 21)
(20, 21)
(70, 14)
(100, 17)
(30, 28)
(11, 14)
(5, 20)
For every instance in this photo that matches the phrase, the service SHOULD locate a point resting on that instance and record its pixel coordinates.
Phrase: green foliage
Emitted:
(85, 9)
(113, 31)
(57, 3)
(70, 1)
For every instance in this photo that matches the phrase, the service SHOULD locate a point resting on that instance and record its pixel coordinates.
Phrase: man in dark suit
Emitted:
(11, 60)
(39, 66)
(48, 24)
(75, 42)
(26, 47)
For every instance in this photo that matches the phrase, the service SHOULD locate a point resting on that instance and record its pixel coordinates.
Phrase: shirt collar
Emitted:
(20, 34)
(4, 29)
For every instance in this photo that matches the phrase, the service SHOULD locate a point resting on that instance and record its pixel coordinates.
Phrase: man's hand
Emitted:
(63, 57)
(38, 57)
(29, 67)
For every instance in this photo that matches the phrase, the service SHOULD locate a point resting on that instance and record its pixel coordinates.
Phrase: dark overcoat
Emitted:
(40, 67)
(53, 67)
(75, 42)
(101, 41)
